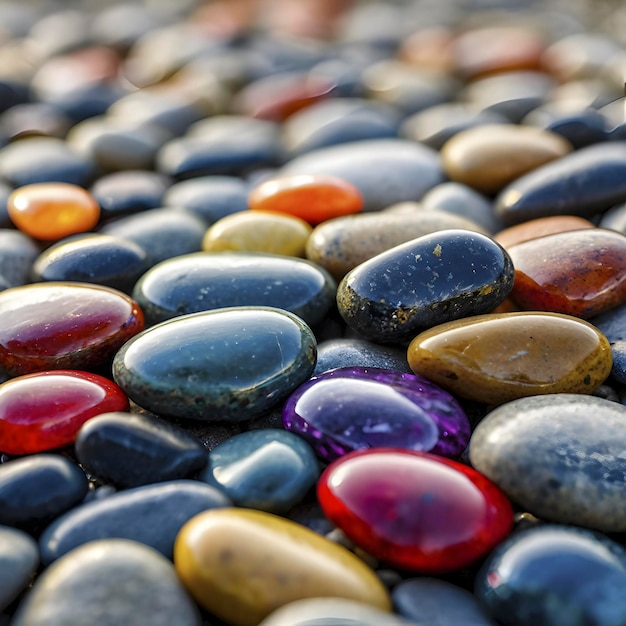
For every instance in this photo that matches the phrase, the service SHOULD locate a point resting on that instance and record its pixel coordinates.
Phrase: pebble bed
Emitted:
(312, 313)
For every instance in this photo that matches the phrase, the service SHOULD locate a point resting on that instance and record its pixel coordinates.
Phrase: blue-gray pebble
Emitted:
(334, 353)
(19, 558)
(17, 253)
(613, 325)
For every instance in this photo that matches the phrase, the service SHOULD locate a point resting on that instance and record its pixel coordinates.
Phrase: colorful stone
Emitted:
(447, 275)
(224, 365)
(560, 456)
(353, 408)
(241, 565)
(63, 326)
(44, 411)
(500, 357)
(51, 211)
(540, 227)
(414, 510)
(581, 273)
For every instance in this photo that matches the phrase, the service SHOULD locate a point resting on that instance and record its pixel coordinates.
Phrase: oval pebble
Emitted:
(269, 469)
(224, 365)
(19, 558)
(130, 450)
(547, 455)
(436, 278)
(377, 408)
(334, 353)
(17, 253)
(151, 514)
(108, 581)
(36, 489)
(241, 565)
(63, 326)
(540, 227)
(413, 510)
(499, 357)
(555, 575)
(216, 280)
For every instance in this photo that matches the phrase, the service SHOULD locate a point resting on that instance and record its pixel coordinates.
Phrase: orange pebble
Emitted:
(311, 197)
(51, 211)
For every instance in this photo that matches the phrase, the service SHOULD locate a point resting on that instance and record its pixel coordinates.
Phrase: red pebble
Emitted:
(44, 411)
(415, 511)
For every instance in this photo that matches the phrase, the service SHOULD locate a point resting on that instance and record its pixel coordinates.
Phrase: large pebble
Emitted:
(152, 515)
(109, 582)
(561, 456)
(19, 558)
(215, 280)
(555, 575)
(499, 357)
(224, 365)
(540, 227)
(433, 279)
(241, 565)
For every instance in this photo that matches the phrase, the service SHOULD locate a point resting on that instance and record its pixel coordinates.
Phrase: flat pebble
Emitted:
(130, 450)
(223, 365)
(19, 558)
(334, 353)
(242, 564)
(108, 582)
(17, 253)
(555, 575)
(268, 469)
(499, 357)
(215, 280)
(35, 490)
(549, 457)
(151, 514)
(447, 275)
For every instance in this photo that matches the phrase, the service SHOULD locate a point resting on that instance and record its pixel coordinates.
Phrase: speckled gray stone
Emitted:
(19, 558)
(560, 456)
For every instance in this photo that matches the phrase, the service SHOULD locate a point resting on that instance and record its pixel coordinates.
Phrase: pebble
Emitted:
(584, 183)
(39, 334)
(540, 227)
(385, 171)
(581, 272)
(496, 358)
(34, 490)
(489, 157)
(151, 515)
(258, 231)
(378, 408)
(523, 580)
(109, 581)
(613, 325)
(436, 278)
(19, 559)
(51, 211)
(45, 410)
(614, 219)
(17, 253)
(241, 565)
(269, 469)
(197, 366)
(129, 450)
(413, 510)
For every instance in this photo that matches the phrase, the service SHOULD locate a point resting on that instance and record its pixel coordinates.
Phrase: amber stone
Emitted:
(49, 326)
(581, 273)
(311, 197)
(489, 157)
(51, 211)
(540, 227)
(495, 358)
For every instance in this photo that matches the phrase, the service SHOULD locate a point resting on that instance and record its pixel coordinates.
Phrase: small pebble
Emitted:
(17, 253)
(540, 227)
(19, 559)
(613, 325)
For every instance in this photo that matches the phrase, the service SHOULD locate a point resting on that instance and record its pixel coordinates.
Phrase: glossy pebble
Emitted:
(613, 325)
(17, 253)
(45, 410)
(581, 273)
(63, 326)
(443, 276)
(268, 469)
(555, 575)
(19, 558)
(540, 227)
(414, 510)
(354, 408)
(224, 365)
(50, 211)
(547, 455)
(241, 565)
(500, 357)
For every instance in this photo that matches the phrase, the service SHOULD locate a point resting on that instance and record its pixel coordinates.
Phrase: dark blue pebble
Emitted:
(151, 515)
(84, 101)
(582, 129)
(551, 575)
(5, 192)
(270, 469)
(17, 254)
(19, 558)
(215, 280)
(131, 450)
(36, 489)
(613, 325)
